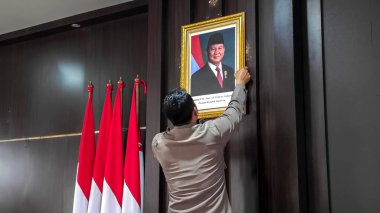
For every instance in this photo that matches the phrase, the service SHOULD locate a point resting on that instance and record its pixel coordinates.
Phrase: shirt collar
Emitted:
(213, 67)
(184, 126)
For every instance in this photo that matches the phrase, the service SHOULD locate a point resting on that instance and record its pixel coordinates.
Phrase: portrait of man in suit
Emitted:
(214, 76)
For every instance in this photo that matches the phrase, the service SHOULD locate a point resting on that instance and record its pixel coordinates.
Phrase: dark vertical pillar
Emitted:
(242, 155)
(153, 111)
(315, 111)
(178, 14)
(351, 59)
(278, 127)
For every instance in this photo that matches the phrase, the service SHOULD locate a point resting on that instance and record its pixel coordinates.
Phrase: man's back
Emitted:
(192, 159)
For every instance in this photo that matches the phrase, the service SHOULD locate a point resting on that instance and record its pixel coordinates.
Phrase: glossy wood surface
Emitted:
(45, 87)
(278, 131)
(351, 42)
(178, 14)
(242, 151)
(44, 92)
(152, 198)
(38, 176)
(315, 115)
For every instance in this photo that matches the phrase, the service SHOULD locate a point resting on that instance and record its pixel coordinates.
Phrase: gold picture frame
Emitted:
(205, 47)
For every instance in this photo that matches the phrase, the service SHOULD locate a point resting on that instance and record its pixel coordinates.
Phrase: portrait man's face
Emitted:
(216, 53)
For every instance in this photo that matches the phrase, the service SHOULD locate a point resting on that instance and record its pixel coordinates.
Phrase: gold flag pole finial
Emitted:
(121, 95)
(90, 89)
(109, 86)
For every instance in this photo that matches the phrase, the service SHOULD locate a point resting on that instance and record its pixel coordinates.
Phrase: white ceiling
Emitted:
(20, 14)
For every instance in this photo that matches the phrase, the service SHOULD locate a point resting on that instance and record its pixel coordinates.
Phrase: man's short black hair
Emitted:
(178, 107)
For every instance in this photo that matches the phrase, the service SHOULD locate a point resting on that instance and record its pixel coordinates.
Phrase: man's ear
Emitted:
(196, 112)
(194, 116)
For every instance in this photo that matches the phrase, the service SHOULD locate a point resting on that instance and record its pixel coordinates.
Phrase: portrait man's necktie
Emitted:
(219, 76)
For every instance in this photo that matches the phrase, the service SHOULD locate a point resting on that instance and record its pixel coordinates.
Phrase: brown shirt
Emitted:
(192, 159)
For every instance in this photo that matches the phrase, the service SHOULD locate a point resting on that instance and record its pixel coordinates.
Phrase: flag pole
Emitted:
(137, 98)
(140, 145)
(137, 82)
(121, 98)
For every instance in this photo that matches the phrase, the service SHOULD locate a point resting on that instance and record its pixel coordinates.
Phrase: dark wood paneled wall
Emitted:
(279, 138)
(45, 78)
(351, 42)
(38, 176)
(152, 196)
(242, 151)
(315, 115)
(177, 14)
(277, 158)
(44, 92)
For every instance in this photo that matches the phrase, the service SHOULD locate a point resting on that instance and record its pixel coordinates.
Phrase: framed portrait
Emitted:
(212, 51)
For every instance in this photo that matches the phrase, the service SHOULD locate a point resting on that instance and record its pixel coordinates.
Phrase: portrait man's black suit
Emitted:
(204, 81)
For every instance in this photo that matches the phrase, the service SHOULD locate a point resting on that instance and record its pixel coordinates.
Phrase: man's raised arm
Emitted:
(228, 121)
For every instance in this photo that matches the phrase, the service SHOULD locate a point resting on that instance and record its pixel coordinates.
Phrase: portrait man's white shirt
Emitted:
(213, 68)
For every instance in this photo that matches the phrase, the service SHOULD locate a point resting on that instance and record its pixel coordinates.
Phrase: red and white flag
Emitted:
(133, 165)
(85, 159)
(113, 177)
(101, 153)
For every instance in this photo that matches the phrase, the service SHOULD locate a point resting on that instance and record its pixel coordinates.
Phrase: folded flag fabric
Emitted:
(101, 153)
(85, 159)
(113, 177)
(133, 164)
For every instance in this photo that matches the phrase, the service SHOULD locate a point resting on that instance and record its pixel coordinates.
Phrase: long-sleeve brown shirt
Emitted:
(192, 159)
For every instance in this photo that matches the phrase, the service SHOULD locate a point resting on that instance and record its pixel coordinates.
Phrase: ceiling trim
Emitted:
(84, 19)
